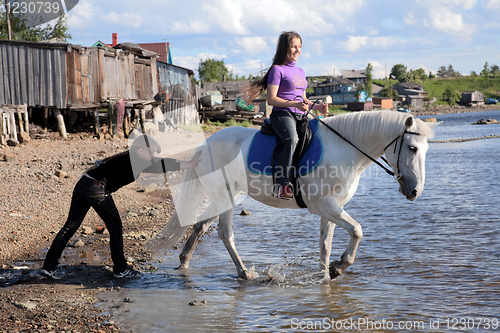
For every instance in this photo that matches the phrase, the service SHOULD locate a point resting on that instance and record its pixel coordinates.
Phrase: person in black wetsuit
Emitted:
(94, 190)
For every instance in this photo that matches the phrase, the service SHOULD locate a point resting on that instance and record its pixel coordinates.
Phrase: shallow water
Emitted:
(430, 265)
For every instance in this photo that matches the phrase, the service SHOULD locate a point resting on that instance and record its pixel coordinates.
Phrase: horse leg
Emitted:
(226, 234)
(325, 244)
(187, 252)
(337, 215)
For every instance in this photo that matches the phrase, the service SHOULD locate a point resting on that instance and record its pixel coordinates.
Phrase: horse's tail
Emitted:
(187, 200)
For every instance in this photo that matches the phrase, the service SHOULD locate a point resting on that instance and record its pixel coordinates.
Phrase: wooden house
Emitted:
(358, 76)
(409, 88)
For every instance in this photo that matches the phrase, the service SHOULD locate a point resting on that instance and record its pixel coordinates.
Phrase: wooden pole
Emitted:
(143, 120)
(126, 123)
(26, 119)
(7, 14)
(96, 122)
(60, 123)
(2, 140)
(45, 117)
(13, 131)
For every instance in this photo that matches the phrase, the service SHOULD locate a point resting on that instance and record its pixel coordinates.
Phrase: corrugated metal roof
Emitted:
(160, 48)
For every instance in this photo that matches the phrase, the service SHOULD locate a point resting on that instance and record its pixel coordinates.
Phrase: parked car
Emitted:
(491, 101)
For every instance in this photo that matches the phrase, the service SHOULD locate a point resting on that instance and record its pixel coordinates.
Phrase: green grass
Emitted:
(381, 82)
(489, 87)
(210, 126)
(333, 109)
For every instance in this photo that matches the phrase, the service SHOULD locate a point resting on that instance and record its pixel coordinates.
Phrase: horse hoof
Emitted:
(182, 267)
(246, 275)
(334, 270)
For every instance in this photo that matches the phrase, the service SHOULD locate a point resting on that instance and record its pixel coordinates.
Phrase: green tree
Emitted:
(369, 80)
(398, 71)
(452, 96)
(211, 70)
(495, 70)
(389, 92)
(21, 31)
(486, 70)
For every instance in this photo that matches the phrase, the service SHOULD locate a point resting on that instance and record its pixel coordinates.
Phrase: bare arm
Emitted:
(274, 100)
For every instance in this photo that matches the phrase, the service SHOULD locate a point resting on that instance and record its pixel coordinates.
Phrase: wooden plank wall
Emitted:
(32, 76)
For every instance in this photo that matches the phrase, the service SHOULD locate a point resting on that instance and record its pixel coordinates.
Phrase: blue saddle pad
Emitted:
(262, 146)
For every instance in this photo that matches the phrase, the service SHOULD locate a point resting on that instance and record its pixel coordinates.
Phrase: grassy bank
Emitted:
(490, 87)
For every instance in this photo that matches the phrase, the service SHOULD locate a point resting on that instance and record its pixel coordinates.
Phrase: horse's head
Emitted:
(406, 155)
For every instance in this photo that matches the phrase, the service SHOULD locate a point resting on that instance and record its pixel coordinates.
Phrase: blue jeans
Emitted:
(88, 193)
(285, 125)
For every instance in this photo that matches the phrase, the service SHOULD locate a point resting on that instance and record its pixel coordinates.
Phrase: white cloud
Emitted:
(448, 22)
(83, 13)
(193, 62)
(354, 43)
(124, 19)
(317, 46)
(229, 15)
(378, 69)
(410, 19)
(252, 45)
(305, 54)
(191, 27)
(493, 4)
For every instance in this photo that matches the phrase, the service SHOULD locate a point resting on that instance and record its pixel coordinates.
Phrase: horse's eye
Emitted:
(413, 149)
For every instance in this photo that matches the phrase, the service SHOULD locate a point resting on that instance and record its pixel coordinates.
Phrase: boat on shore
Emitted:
(211, 98)
(404, 109)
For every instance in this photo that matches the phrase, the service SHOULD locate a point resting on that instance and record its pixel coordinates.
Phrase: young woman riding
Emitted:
(286, 85)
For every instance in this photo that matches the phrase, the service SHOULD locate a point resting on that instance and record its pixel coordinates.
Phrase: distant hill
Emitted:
(490, 87)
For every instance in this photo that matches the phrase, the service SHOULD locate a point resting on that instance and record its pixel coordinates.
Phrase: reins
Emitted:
(390, 172)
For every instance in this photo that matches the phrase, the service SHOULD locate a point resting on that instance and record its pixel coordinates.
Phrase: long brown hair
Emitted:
(255, 88)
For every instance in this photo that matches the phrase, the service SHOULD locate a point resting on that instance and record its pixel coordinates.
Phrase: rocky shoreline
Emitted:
(442, 109)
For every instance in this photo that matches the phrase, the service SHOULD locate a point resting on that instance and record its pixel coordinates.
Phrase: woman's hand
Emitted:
(323, 108)
(302, 106)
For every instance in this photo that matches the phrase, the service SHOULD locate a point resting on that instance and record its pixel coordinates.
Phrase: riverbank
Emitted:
(37, 182)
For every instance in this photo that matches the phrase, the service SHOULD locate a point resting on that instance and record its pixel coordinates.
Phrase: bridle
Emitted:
(397, 175)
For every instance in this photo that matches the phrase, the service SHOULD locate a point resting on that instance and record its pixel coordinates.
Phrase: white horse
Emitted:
(402, 138)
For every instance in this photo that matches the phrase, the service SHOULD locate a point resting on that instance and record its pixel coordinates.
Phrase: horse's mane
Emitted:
(362, 126)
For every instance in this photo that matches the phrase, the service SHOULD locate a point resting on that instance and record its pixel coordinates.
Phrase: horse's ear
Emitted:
(409, 122)
(433, 124)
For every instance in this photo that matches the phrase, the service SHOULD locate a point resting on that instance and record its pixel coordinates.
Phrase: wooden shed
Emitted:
(98, 74)
(60, 76)
(360, 106)
(472, 98)
(383, 102)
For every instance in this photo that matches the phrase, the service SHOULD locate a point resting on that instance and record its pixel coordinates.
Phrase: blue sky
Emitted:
(336, 34)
